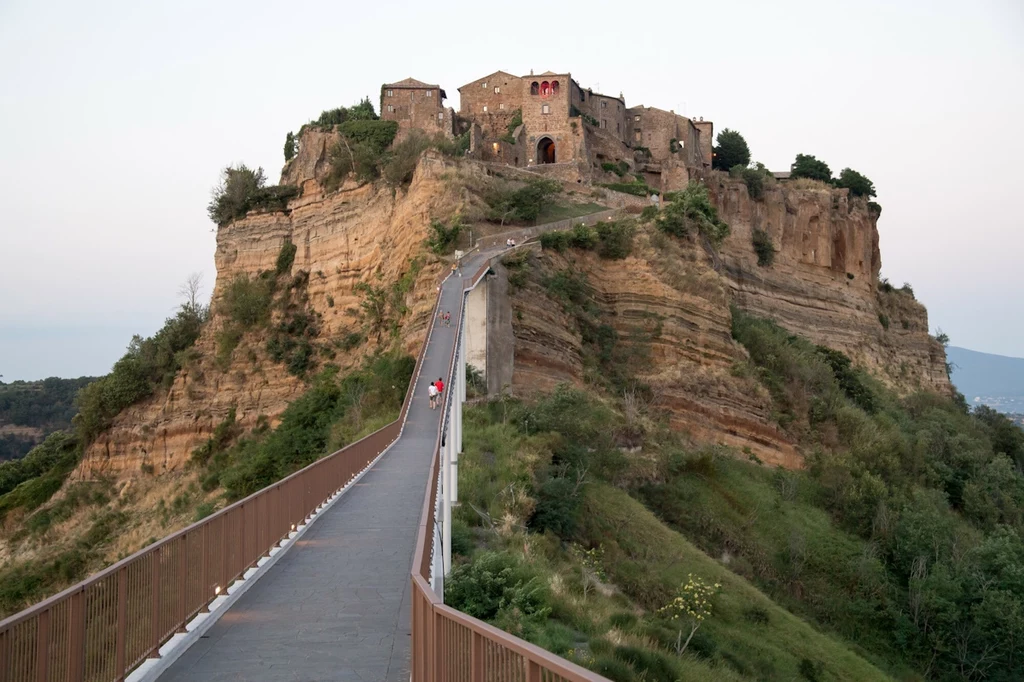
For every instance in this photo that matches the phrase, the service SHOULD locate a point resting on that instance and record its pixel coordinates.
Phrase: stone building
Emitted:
(548, 122)
(415, 105)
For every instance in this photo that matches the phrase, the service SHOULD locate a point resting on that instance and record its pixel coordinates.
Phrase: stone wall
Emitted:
(707, 132)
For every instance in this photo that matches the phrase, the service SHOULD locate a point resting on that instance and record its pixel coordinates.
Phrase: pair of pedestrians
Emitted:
(445, 318)
(434, 391)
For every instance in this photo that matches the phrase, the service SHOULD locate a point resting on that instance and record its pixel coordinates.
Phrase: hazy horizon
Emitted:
(120, 117)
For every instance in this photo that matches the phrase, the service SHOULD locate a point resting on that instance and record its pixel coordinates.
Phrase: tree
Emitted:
(289, 147)
(806, 166)
(236, 192)
(731, 150)
(190, 291)
(858, 185)
(691, 606)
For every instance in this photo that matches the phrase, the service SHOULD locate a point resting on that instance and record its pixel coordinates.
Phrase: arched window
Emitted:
(545, 89)
(534, 88)
(554, 87)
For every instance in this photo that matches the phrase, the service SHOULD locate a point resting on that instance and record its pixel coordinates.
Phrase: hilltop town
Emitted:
(552, 125)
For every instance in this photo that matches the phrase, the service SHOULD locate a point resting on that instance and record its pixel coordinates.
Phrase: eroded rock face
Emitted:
(360, 234)
(673, 297)
(823, 283)
(671, 314)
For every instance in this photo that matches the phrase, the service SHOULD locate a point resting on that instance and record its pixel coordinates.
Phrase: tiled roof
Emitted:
(410, 83)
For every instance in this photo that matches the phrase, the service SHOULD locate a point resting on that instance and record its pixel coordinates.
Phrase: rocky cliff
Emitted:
(670, 313)
(361, 234)
(823, 283)
(669, 304)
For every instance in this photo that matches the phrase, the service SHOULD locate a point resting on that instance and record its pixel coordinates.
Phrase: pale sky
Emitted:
(118, 117)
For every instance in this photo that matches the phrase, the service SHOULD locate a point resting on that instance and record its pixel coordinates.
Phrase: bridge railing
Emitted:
(104, 627)
(448, 645)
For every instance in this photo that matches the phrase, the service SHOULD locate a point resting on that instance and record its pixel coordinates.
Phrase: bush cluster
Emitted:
(691, 211)
(148, 364)
(522, 204)
(442, 238)
(331, 413)
(763, 247)
(612, 239)
(243, 189)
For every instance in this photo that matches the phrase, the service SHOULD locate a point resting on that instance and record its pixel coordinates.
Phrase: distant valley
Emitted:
(987, 379)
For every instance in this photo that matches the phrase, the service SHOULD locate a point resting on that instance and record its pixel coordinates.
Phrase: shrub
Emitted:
(285, 258)
(624, 620)
(523, 204)
(148, 363)
(639, 189)
(359, 112)
(875, 208)
(558, 504)
(494, 582)
(377, 135)
(462, 538)
(247, 301)
(614, 168)
(616, 239)
(243, 189)
(556, 241)
(858, 184)
(763, 247)
(883, 320)
(614, 669)
(583, 237)
(652, 666)
(753, 178)
(204, 510)
(807, 166)
(730, 151)
(442, 238)
(405, 155)
(649, 213)
(692, 210)
(514, 122)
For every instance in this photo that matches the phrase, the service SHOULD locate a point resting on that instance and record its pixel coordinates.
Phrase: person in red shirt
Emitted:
(439, 384)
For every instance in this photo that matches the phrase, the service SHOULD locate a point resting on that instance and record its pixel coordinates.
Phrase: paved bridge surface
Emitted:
(336, 605)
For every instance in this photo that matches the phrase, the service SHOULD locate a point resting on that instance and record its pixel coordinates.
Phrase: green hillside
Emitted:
(895, 554)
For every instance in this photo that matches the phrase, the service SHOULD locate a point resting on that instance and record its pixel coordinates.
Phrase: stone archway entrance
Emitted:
(546, 150)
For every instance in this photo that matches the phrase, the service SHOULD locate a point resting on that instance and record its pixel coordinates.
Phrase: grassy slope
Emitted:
(748, 637)
(641, 549)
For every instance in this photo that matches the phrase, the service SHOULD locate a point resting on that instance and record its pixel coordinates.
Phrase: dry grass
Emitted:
(807, 183)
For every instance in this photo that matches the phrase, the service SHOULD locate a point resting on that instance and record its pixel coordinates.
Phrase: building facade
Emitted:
(414, 105)
(547, 121)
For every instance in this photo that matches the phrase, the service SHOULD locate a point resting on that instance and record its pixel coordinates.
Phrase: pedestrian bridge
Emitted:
(334, 573)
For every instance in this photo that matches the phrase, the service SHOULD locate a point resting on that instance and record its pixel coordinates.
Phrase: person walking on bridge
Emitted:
(439, 385)
(432, 394)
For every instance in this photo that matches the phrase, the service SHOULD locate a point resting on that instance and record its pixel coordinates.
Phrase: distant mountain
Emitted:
(987, 376)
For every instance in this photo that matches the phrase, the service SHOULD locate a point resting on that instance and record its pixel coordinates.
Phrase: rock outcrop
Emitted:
(670, 312)
(360, 234)
(823, 283)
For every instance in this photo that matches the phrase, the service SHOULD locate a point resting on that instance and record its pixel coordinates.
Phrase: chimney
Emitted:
(531, 72)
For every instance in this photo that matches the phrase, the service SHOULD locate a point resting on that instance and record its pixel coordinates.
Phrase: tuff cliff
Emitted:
(823, 283)
(360, 234)
(669, 305)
